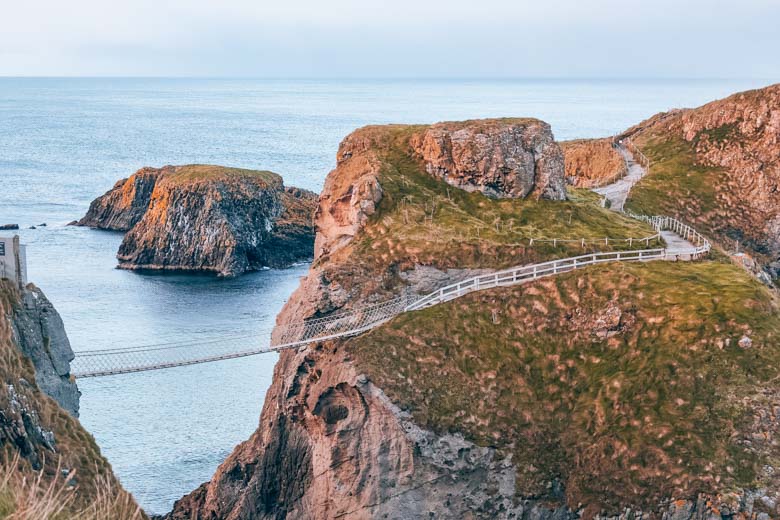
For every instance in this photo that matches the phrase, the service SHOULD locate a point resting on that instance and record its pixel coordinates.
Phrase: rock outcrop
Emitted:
(718, 166)
(126, 203)
(40, 335)
(208, 219)
(501, 158)
(352, 195)
(592, 162)
(34, 356)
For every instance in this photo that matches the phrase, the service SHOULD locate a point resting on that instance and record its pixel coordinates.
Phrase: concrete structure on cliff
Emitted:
(13, 260)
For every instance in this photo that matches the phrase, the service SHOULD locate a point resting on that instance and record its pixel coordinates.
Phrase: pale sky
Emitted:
(398, 38)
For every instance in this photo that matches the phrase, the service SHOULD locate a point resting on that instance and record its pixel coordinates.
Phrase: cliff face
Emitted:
(351, 197)
(592, 162)
(515, 403)
(125, 204)
(34, 356)
(207, 218)
(505, 158)
(719, 165)
(39, 333)
(500, 158)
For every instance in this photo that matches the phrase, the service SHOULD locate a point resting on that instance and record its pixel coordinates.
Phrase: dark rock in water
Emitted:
(6, 227)
(42, 225)
(32, 227)
(207, 218)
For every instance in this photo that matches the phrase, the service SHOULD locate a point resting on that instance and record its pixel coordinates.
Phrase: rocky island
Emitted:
(207, 219)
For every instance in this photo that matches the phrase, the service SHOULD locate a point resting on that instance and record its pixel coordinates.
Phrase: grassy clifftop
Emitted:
(422, 220)
(718, 167)
(205, 172)
(625, 383)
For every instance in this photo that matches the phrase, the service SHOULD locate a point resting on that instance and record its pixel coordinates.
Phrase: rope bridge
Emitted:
(97, 363)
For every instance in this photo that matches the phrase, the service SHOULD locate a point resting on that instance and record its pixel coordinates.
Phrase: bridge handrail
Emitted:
(531, 272)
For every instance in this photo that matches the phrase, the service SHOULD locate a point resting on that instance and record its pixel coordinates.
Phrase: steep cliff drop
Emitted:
(38, 402)
(589, 395)
(39, 333)
(207, 218)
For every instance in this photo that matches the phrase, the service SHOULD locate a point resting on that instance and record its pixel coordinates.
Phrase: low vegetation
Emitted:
(29, 495)
(679, 185)
(625, 383)
(198, 172)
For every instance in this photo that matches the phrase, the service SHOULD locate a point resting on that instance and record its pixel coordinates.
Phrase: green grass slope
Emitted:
(624, 382)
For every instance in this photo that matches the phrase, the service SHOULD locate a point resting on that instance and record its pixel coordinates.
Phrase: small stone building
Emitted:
(13, 260)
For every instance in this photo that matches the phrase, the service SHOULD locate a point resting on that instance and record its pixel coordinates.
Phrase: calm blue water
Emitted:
(65, 141)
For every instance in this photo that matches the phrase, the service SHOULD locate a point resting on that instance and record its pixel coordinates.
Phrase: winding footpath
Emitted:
(682, 243)
(617, 192)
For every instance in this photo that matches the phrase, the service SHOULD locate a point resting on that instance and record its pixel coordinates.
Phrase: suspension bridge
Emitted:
(682, 243)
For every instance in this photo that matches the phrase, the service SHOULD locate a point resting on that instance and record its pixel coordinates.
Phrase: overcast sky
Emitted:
(398, 38)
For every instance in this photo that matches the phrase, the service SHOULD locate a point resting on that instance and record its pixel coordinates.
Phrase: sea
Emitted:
(65, 141)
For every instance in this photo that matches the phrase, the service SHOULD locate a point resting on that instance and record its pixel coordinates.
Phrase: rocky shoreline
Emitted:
(39, 403)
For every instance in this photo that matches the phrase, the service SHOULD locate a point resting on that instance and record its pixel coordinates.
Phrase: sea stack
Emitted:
(207, 219)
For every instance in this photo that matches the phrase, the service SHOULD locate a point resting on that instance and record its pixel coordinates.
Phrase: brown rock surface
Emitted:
(501, 158)
(124, 204)
(207, 218)
(592, 162)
